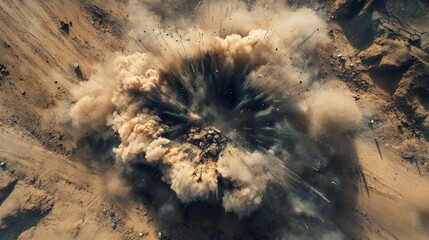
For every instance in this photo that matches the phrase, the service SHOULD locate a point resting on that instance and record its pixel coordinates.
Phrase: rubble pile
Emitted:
(209, 140)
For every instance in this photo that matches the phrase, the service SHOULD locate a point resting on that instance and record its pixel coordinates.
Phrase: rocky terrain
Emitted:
(56, 187)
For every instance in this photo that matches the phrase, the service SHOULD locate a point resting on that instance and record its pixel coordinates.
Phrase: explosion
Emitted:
(226, 103)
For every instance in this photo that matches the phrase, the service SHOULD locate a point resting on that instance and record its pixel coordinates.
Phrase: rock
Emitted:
(64, 27)
(213, 150)
(198, 137)
(112, 214)
(216, 138)
(396, 53)
(209, 140)
(343, 8)
(78, 71)
(162, 236)
(3, 70)
(424, 42)
(371, 55)
(3, 164)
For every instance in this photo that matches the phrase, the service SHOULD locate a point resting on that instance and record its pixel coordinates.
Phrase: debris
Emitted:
(340, 57)
(3, 164)
(64, 27)
(78, 71)
(162, 236)
(3, 70)
(343, 8)
(114, 225)
(213, 150)
(98, 14)
(103, 21)
(112, 214)
(209, 139)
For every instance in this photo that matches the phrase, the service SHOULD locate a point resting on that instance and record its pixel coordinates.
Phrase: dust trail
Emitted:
(226, 103)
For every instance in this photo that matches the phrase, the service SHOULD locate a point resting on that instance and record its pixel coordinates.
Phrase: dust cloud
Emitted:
(225, 99)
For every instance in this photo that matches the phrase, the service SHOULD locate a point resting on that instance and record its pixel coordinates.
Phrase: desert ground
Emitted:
(56, 187)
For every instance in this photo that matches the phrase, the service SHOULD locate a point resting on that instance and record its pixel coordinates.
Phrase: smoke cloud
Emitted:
(225, 100)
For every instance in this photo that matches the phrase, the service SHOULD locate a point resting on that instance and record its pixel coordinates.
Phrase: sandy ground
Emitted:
(47, 192)
(47, 196)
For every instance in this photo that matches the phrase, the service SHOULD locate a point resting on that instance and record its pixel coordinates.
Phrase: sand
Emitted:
(51, 189)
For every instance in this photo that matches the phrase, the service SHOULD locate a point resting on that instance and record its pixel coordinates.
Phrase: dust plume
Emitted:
(225, 100)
